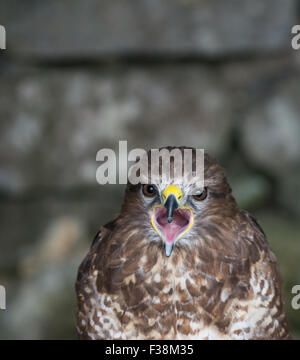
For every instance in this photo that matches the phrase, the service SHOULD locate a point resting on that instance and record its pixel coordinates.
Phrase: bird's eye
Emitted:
(201, 195)
(149, 190)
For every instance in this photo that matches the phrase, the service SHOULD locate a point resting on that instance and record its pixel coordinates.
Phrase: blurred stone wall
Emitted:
(78, 76)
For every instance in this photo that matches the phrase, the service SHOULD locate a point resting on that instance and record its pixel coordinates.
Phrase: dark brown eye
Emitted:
(149, 190)
(201, 195)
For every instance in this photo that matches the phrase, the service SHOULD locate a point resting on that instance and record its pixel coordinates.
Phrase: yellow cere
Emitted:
(172, 189)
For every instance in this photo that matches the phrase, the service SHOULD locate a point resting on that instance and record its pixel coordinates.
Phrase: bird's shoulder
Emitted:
(97, 249)
(89, 283)
(254, 236)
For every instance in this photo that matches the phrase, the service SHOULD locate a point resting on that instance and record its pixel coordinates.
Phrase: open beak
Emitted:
(171, 220)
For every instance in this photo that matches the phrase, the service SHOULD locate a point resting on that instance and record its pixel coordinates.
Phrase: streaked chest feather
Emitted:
(174, 302)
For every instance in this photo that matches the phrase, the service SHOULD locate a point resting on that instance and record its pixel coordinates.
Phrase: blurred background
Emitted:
(78, 76)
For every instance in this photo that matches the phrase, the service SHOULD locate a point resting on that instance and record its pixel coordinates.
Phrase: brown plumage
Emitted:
(221, 280)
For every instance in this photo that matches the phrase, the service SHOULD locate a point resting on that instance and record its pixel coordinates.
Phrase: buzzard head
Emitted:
(175, 212)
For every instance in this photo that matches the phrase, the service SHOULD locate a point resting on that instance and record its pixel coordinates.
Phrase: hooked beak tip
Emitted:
(168, 249)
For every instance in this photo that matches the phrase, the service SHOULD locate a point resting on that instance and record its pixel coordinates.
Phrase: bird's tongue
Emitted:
(171, 231)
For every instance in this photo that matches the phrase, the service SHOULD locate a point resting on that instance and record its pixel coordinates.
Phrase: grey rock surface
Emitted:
(97, 29)
(271, 130)
(55, 122)
(25, 223)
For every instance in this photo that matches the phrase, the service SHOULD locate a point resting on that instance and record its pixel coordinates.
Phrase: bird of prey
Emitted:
(180, 266)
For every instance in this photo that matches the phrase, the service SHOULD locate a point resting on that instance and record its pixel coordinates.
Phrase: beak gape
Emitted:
(171, 204)
(167, 224)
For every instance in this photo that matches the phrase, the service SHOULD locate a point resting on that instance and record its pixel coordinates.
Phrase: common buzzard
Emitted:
(180, 266)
